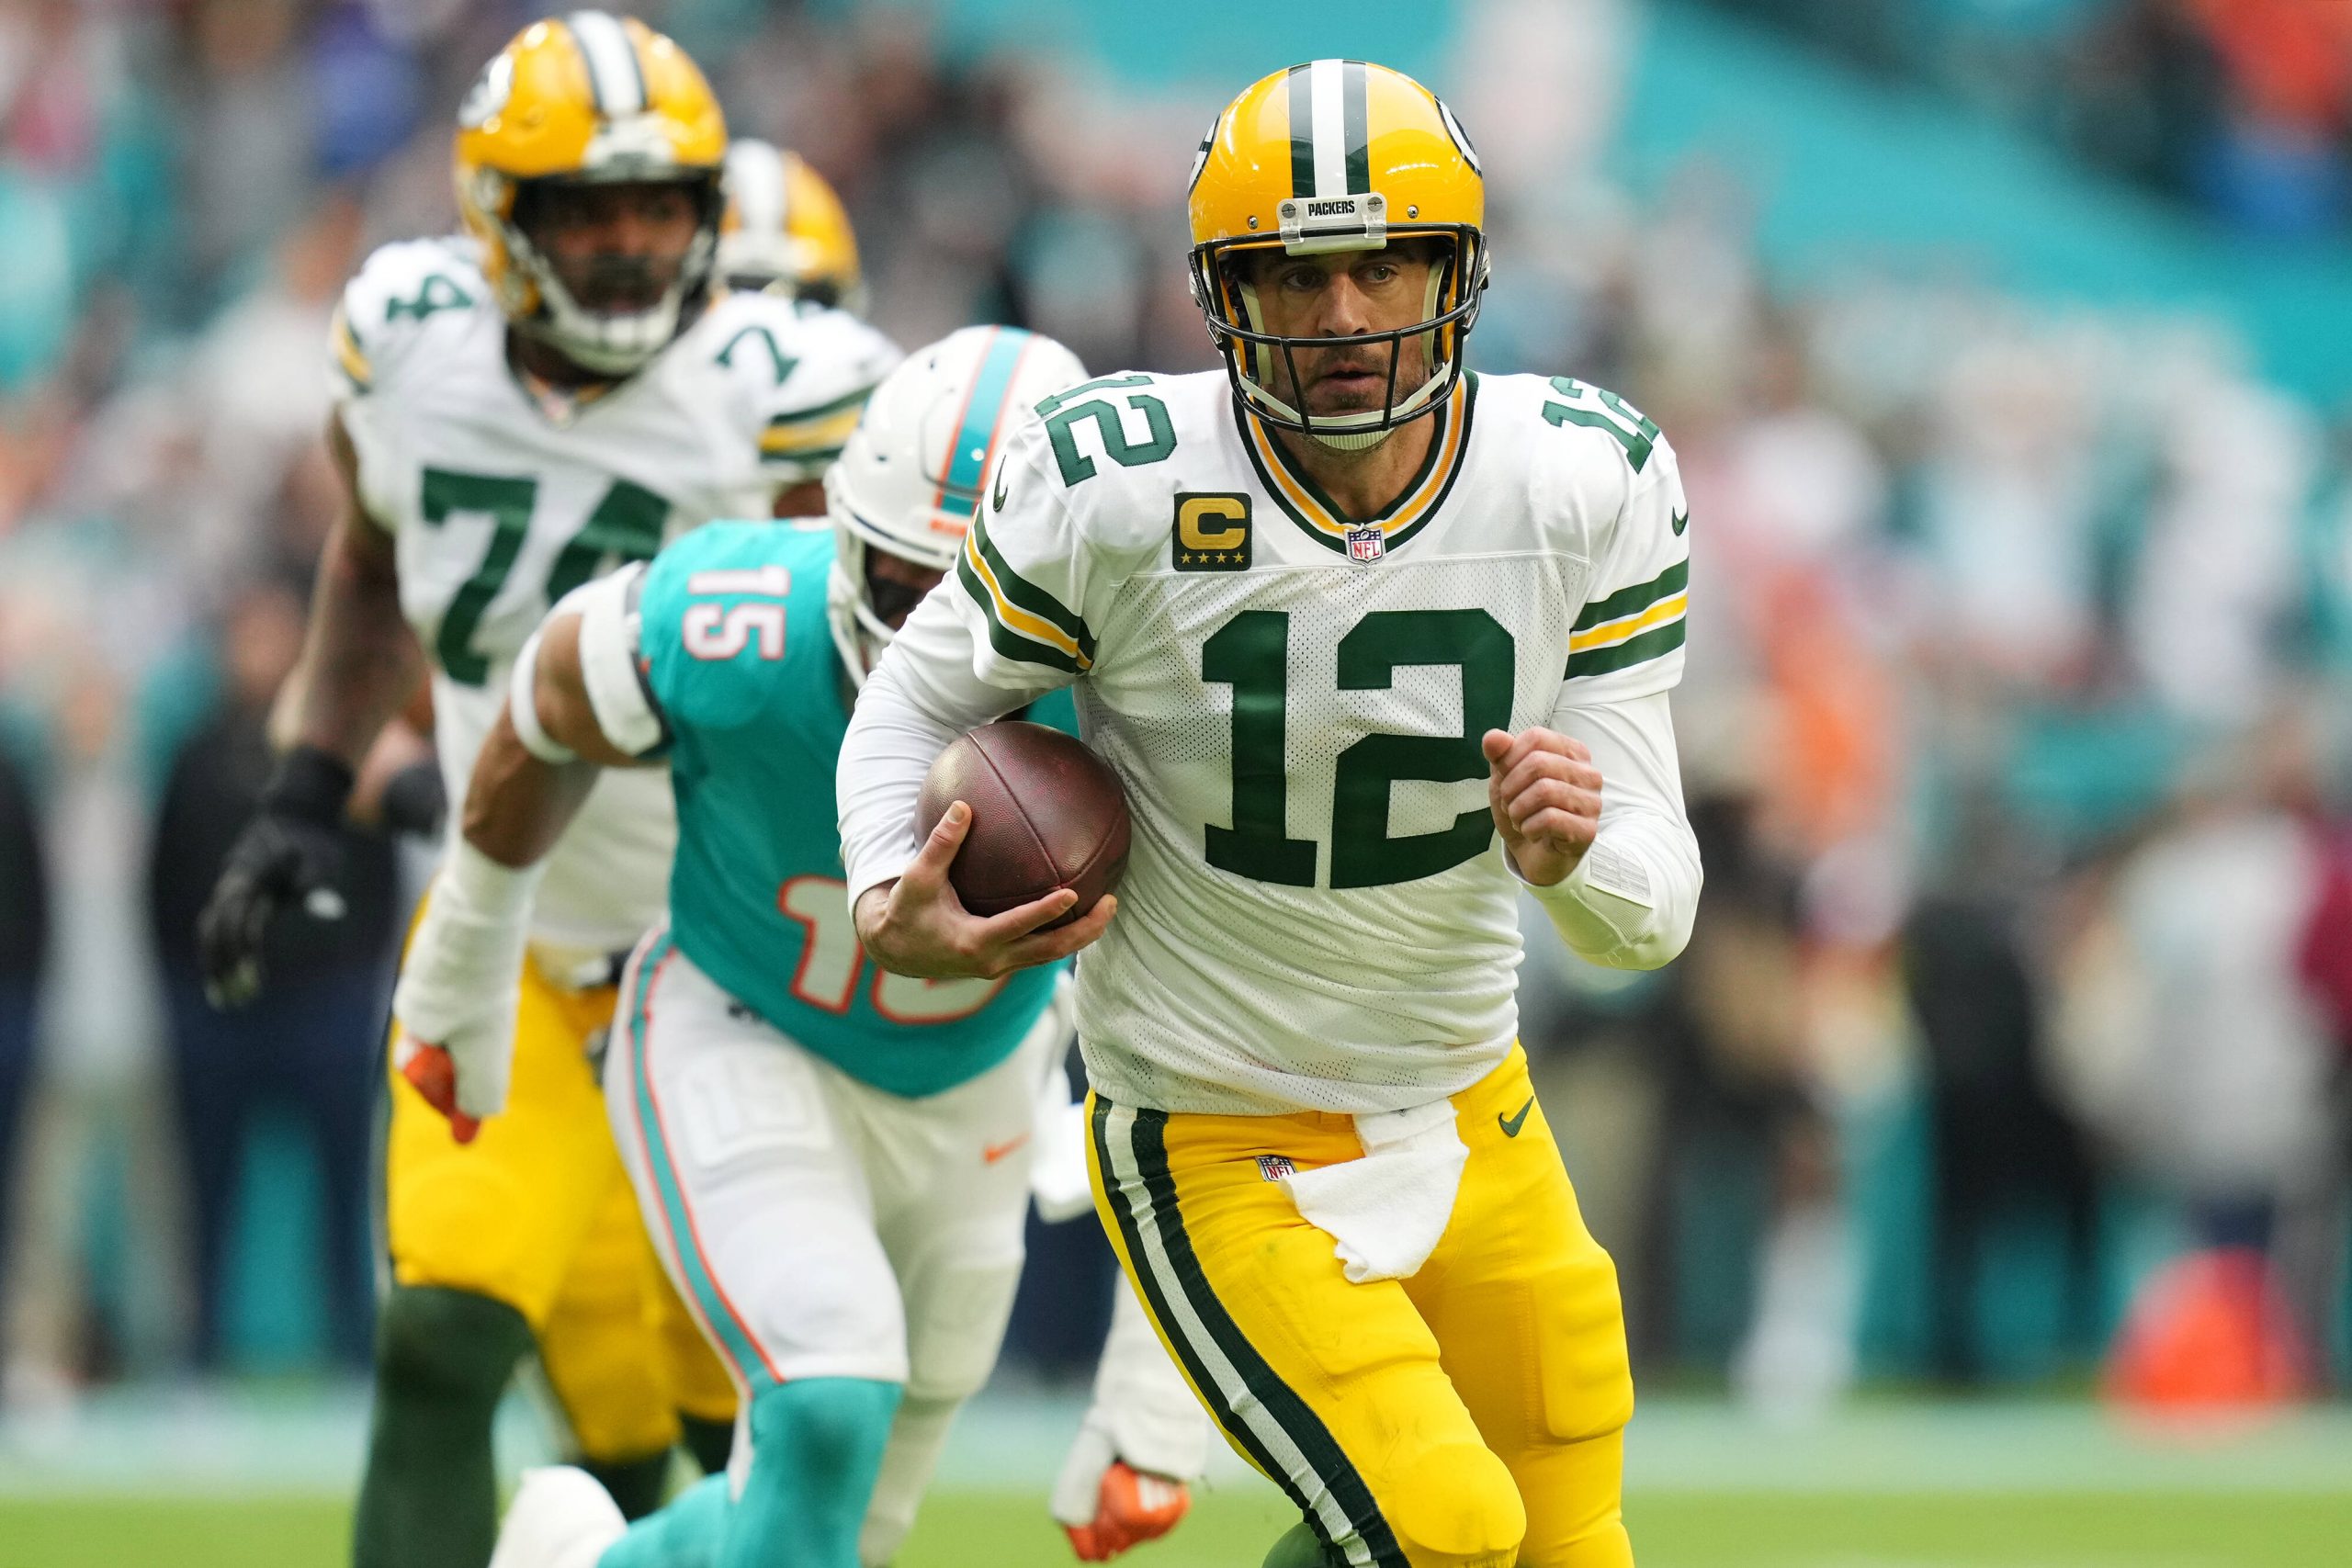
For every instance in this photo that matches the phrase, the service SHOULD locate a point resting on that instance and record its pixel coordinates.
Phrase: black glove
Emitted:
(291, 853)
(416, 801)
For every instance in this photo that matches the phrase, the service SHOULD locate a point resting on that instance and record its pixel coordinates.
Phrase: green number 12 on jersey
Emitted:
(1251, 654)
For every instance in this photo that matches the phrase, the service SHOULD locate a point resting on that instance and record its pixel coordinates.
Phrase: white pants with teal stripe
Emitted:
(816, 1226)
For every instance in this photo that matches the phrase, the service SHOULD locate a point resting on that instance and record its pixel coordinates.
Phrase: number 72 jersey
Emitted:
(1316, 912)
(499, 506)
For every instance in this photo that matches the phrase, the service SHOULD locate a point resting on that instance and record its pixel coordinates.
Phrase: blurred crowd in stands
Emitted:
(2240, 107)
(2014, 725)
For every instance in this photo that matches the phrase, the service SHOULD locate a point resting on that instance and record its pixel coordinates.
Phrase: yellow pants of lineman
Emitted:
(1471, 1417)
(538, 1212)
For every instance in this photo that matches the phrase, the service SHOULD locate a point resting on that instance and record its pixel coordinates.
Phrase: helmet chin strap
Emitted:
(1354, 440)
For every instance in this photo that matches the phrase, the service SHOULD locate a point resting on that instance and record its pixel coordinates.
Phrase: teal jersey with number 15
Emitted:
(739, 657)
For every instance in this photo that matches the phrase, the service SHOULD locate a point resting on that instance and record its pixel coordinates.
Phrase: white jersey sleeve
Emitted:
(1022, 586)
(924, 693)
(1010, 624)
(1627, 640)
(811, 393)
(1629, 902)
(408, 300)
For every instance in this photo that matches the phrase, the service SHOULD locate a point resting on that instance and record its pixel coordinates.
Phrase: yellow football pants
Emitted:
(538, 1212)
(1471, 1417)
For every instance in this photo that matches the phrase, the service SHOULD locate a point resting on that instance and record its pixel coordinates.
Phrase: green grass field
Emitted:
(1232, 1527)
(260, 1478)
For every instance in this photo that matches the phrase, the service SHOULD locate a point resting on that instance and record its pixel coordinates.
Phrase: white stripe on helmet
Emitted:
(613, 73)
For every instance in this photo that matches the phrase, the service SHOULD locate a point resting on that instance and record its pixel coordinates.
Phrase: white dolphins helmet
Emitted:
(911, 478)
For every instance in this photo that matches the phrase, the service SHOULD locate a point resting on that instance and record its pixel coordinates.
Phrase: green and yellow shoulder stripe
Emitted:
(349, 356)
(814, 436)
(1631, 625)
(1025, 622)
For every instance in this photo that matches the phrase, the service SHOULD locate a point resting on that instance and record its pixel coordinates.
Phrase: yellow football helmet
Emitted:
(785, 229)
(587, 98)
(1336, 155)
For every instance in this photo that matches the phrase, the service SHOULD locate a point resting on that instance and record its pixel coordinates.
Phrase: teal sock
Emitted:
(686, 1534)
(816, 1449)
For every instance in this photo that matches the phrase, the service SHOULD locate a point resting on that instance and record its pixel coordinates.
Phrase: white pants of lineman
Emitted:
(818, 1227)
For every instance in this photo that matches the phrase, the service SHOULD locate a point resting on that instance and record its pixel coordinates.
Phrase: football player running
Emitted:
(517, 413)
(1374, 643)
(825, 1153)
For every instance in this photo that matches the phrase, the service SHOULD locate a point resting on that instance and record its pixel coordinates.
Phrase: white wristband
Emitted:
(522, 707)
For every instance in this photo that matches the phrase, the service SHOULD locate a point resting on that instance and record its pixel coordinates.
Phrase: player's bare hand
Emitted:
(1545, 795)
(917, 926)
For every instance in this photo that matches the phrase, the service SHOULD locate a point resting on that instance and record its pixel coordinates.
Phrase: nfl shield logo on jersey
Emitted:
(1367, 544)
(1276, 1167)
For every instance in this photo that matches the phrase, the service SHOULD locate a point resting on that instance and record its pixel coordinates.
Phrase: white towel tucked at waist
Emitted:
(1387, 1210)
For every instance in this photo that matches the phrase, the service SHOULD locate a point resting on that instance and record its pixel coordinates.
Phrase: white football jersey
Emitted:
(500, 505)
(1317, 911)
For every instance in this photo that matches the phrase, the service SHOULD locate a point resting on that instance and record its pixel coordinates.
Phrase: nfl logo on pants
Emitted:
(1366, 544)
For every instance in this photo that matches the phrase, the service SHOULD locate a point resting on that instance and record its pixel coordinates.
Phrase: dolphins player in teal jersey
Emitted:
(824, 1152)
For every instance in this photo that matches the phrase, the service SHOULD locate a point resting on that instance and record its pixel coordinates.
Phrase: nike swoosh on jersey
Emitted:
(1680, 521)
(1512, 1125)
(990, 1154)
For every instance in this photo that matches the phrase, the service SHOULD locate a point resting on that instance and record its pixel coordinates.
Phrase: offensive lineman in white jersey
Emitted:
(1373, 642)
(518, 413)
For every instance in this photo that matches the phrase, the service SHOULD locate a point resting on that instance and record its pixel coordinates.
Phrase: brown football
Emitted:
(1047, 813)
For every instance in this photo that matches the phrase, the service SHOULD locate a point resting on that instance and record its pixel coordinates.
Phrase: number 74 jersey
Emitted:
(501, 504)
(1316, 913)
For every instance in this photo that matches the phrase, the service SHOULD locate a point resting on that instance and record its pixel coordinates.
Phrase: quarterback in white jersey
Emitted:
(1373, 643)
(519, 412)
